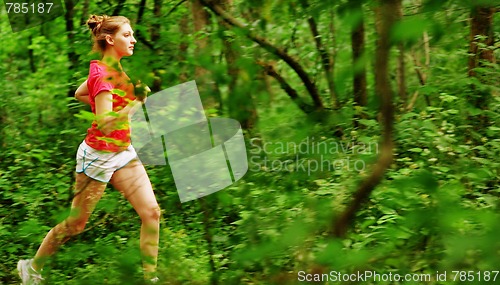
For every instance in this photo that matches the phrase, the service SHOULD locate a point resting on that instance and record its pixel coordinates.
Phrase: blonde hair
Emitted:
(102, 26)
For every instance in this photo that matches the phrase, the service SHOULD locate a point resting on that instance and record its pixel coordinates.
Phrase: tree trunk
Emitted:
(85, 12)
(326, 61)
(183, 45)
(155, 37)
(3, 123)
(240, 98)
(31, 55)
(401, 76)
(421, 70)
(140, 37)
(200, 21)
(155, 27)
(70, 34)
(207, 204)
(229, 52)
(359, 70)
(209, 91)
(481, 33)
(118, 7)
(385, 15)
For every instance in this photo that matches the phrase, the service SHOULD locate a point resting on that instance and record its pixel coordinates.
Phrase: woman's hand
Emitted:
(141, 91)
(82, 93)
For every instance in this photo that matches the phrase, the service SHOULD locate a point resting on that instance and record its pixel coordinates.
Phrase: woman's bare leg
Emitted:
(87, 193)
(133, 182)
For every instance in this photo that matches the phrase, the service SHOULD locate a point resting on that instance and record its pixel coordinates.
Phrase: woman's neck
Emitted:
(112, 61)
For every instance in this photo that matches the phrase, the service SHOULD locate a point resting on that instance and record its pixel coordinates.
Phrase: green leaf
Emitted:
(427, 180)
(85, 115)
(119, 92)
(409, 29)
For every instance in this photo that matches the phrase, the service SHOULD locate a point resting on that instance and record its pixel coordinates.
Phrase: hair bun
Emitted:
(95, 22)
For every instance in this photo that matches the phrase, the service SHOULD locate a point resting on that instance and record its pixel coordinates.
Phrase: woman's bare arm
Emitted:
(82, 93)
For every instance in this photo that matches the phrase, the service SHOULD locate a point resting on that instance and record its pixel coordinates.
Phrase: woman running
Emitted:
(106, 154)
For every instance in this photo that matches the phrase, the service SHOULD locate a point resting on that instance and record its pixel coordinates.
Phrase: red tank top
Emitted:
(107, 78)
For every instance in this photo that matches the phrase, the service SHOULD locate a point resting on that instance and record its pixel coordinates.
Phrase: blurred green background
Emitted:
(301, 77)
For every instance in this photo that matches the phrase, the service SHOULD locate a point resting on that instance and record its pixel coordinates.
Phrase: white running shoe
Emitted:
(28, 275)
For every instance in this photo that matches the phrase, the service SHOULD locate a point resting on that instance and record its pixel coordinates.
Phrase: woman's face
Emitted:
(124, 41)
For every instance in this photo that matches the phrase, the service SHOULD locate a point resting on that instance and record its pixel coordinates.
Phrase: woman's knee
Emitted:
(151, 214)
(78, 228)
(69, 228)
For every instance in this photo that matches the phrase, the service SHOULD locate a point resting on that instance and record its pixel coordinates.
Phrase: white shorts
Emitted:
(100, 165)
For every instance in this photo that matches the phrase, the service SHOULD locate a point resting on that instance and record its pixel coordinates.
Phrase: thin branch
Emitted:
(279, 52)
(427, 49)
(174, 8)
(145, 41)
(140, 13)
(422, 77)
(155, 31)
(383, 90)
(325, 58)
(413, 100)
(358, 50)
(139, 35)
(292, 93)
(207, 235)
(85, 11)
(155, 38)
(119, 7)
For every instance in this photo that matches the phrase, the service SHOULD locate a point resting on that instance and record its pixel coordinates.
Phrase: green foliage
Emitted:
(435, 210)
